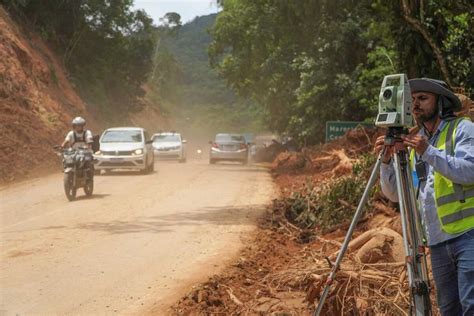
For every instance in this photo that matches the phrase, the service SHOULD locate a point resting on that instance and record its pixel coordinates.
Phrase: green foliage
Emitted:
(459, 43)
(331, 203)
(363, 166)
(105, 46)
(306, 62)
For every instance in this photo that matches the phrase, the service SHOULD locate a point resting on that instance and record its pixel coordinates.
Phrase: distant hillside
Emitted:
(200, 98)
(190, 50)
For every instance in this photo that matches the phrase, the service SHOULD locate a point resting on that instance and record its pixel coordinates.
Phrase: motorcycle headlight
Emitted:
(138, 151)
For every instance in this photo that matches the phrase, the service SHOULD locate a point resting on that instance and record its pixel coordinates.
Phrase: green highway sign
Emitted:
(337, 129)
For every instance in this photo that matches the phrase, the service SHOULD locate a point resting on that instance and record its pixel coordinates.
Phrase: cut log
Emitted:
(377, 245)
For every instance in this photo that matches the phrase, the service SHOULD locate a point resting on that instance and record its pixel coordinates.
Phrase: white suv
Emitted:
(169, 146)
(125, 148)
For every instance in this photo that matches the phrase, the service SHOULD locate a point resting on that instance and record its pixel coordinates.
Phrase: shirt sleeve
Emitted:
(69, 137)
(388, 181)
(460, 167)
(88, 137)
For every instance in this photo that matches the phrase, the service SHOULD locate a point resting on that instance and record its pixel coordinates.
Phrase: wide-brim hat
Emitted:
(437, 87)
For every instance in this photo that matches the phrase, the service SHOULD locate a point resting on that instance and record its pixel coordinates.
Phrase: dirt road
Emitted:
(136, 246)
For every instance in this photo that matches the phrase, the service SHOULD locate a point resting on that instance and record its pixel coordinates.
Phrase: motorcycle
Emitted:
(78, 164)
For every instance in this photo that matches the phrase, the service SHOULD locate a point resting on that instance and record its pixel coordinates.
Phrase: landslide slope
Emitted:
(37, 101)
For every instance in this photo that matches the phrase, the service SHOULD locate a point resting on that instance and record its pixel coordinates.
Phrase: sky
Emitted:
(188, 9)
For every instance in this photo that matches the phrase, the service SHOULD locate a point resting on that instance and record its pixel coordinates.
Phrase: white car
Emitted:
(169, 146)
(125, 148)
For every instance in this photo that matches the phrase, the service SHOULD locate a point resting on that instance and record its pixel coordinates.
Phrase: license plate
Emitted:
(116, 159)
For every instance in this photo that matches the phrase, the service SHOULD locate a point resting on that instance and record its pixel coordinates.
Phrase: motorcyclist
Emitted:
(78, 137)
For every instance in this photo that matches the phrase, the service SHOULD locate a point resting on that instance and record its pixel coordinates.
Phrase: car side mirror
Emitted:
(184, 141)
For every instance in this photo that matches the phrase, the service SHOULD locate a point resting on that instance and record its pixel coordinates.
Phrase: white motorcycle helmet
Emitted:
(78, 121)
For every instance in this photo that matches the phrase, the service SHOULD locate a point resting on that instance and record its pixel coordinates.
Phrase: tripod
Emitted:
(417, 270)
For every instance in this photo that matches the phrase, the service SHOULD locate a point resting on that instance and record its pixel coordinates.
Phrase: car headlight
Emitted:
(98, 153)
(138, 152)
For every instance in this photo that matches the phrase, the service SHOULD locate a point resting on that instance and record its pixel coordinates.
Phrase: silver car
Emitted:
(230, 147)
(169, 146)
(125, 148)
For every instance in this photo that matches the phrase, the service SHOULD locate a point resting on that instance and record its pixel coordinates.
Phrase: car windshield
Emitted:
(229, 138)
(122, 137)
(165, 138)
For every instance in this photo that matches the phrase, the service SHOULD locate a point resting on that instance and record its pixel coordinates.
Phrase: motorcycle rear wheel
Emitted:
(69, 187)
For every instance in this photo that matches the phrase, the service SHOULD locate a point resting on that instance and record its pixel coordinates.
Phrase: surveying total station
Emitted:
(395, 114)
(395, 102)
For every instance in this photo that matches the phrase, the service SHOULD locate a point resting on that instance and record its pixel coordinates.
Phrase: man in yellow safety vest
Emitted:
(442, 157)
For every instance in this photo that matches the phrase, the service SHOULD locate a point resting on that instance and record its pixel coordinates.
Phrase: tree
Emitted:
(309, 61)
(170, 25)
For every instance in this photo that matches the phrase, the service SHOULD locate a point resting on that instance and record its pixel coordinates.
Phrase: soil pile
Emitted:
(320, 163)
(37, 102)
(285, 268)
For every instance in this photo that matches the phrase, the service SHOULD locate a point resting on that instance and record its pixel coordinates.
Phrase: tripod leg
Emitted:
(347, 239)
(421, 284)
(418, 229)
(411, 229)
(403, 212)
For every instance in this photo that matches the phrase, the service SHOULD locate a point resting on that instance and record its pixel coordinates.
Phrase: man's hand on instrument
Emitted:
(418, 142)
(379, 145)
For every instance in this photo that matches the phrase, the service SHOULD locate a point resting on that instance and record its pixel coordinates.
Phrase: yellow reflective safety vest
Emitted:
(454, 202)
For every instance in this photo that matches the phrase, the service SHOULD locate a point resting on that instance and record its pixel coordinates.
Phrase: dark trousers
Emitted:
(453, 273)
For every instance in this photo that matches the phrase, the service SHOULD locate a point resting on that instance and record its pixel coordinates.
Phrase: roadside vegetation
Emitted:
(327, 205)
(307, 62)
